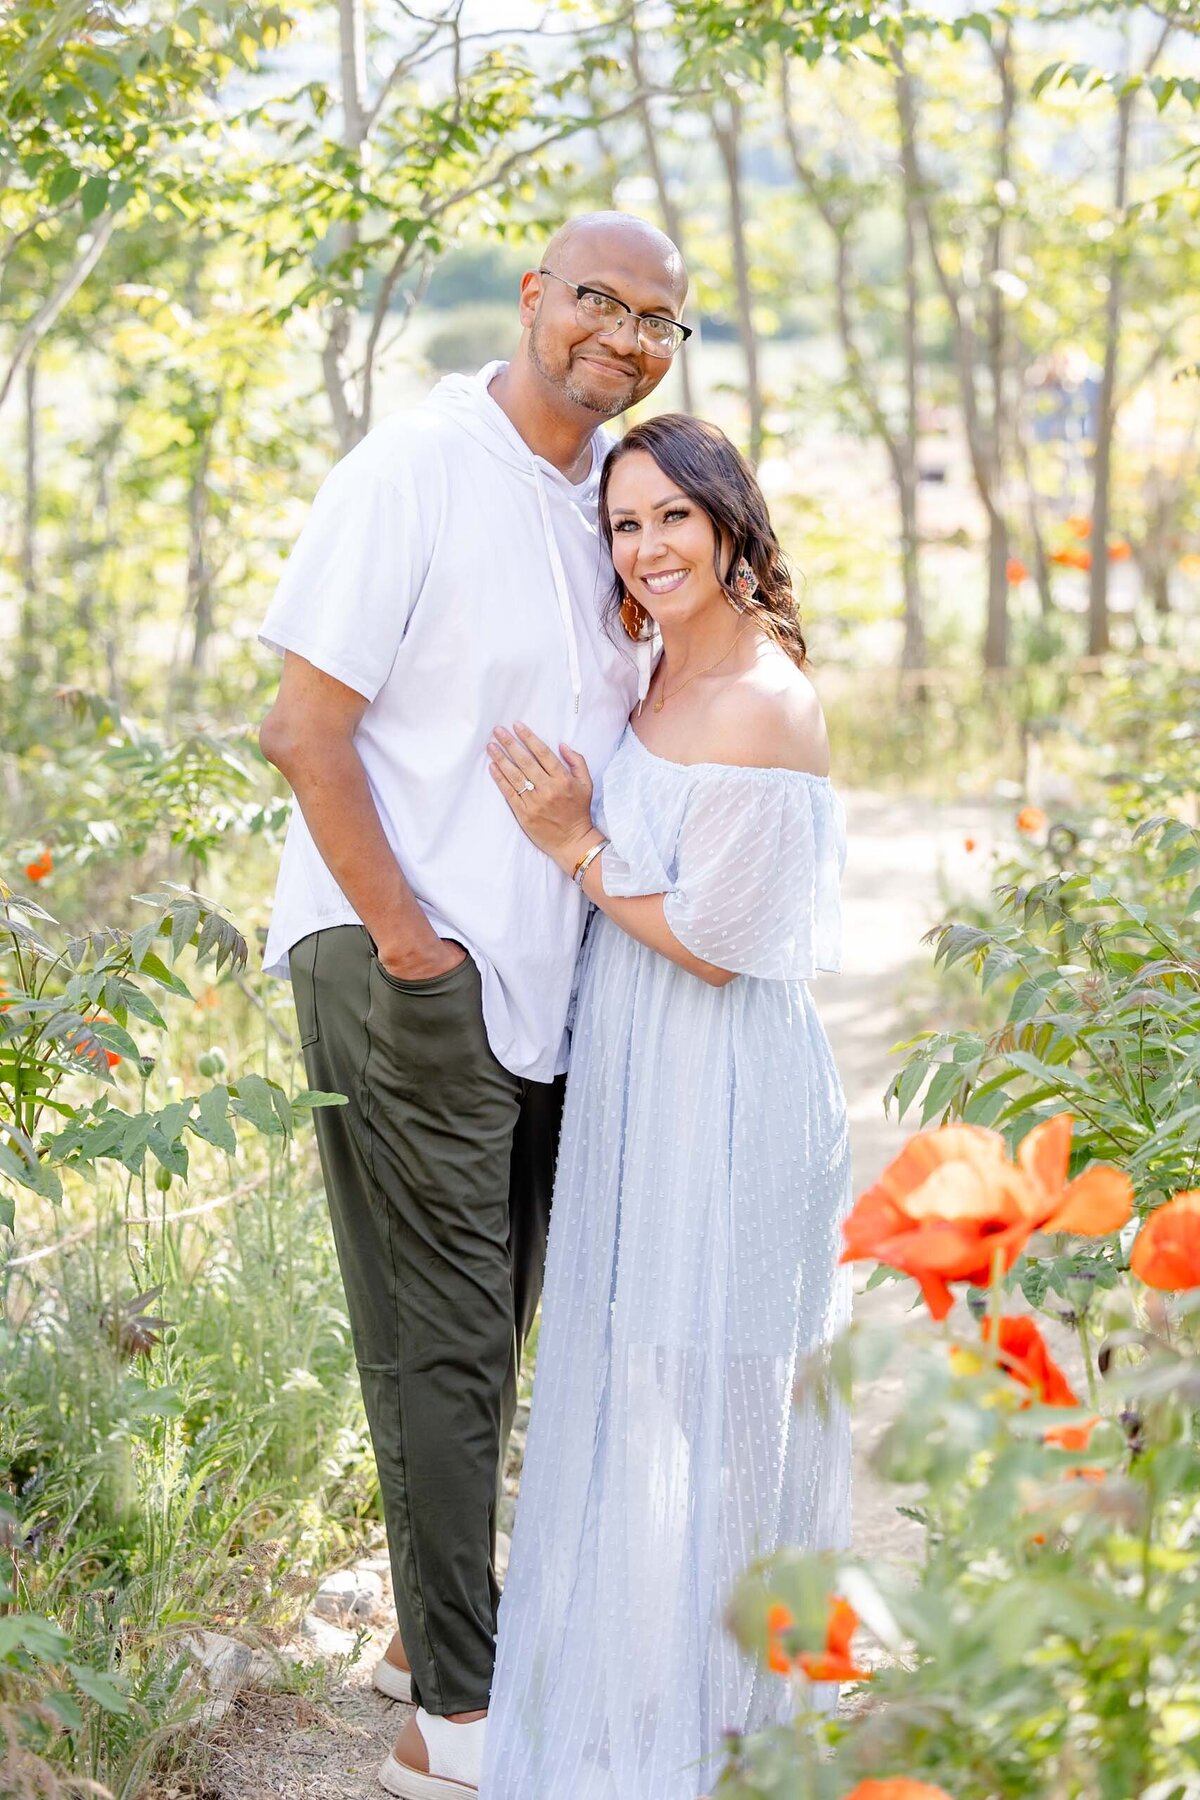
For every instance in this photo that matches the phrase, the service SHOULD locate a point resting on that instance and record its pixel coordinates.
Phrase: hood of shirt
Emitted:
(466, 400)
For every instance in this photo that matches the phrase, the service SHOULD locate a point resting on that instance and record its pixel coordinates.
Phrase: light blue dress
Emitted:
(702, 1179)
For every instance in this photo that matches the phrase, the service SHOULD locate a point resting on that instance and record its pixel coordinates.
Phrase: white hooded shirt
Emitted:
(459, 582)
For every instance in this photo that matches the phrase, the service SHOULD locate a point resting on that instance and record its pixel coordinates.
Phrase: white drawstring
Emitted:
(643, 656)
(560, 585)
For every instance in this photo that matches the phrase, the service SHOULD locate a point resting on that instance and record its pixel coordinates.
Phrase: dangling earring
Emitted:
(745, 581)
(634, 618)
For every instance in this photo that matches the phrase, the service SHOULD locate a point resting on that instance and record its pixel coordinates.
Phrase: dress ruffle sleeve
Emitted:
(753, 882)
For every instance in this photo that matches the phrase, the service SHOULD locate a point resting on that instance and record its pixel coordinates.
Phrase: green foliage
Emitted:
(43, 1692)
(1048, 1642)
(1103, 1019)
(66, 1014)
(195, 1467)
(95, 106)
(145, 791)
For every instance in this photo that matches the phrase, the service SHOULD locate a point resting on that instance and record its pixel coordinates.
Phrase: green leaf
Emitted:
(947, 1080)
(183, 919)
(212, 1123)
(100, 1688)
(168, 1151)
(283, 1108)
(63, 184)
(908, 1084)
(36, 1636)
(252, 1101)
(151, 964)
(309, 1098)
(95, 197)
(66, 1710)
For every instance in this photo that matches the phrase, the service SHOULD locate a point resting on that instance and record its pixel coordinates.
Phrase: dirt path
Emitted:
(284, 1747)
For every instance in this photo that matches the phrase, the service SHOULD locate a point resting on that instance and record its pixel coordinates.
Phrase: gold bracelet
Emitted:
(586, 860)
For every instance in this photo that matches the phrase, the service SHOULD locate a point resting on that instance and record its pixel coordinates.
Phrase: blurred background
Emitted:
(944, 266)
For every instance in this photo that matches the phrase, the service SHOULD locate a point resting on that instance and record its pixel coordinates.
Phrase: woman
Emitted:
(703, 1170)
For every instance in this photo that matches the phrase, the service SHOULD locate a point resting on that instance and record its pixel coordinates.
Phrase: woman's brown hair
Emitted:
(705, 466)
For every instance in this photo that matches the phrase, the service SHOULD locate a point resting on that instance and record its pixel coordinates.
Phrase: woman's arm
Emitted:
(642, 916)
(556, 815)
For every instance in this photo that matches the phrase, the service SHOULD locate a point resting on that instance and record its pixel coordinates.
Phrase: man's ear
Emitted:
(531, 293)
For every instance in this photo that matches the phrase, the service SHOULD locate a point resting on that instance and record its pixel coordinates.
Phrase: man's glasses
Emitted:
(604, 312)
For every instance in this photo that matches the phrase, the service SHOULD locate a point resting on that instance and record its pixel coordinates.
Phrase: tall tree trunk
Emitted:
(1106, 412)
(199, 572)
(1106, 405)
(28, 656)
(669, 211)
(913, 653)
(995, 647)
(899, 441)
(351, 421)
(969, 355)
(728, 133)
(1033, 523)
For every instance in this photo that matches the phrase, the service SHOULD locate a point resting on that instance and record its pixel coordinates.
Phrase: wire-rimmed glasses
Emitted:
(603, 312)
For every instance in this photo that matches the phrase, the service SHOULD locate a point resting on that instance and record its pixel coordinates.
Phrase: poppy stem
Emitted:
(995, 1302)
(1085, 1344)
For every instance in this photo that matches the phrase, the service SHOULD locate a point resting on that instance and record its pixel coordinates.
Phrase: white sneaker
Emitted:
(395, 1683)
(455, 1762)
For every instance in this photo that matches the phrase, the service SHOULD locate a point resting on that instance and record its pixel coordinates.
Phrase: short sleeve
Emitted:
(758, 872)
(353, 578)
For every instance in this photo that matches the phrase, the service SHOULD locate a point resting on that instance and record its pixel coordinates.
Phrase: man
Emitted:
(451, 578)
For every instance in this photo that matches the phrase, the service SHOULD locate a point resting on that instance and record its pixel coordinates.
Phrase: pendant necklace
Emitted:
(707, 670)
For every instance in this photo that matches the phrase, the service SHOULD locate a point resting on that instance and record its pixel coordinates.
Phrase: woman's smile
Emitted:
(665, 581)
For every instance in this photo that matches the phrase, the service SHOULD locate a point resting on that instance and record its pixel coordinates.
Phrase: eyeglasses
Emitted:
(604, 312)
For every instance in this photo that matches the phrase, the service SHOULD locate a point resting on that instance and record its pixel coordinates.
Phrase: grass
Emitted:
(201, 1471)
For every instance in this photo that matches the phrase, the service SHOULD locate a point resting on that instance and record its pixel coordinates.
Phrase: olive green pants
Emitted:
(439, 1173)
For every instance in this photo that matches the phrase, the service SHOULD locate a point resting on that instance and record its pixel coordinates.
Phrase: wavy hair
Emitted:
(705, 466)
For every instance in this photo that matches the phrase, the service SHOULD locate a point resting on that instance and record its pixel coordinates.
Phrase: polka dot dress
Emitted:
(702, 1178)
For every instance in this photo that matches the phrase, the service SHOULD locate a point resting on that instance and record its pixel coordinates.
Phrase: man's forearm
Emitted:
(335, 798)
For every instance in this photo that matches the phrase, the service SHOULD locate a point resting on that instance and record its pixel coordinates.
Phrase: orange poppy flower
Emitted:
(779, 1621)
(1073, 557)
(969, 844)
(1023, 1354)
(111, 1058)
(953, 1207)
(1079, 525)
(40, 867)
(835, 1662)
(1119, 551)
(1015, 571)
(1031, 820)
(1166, 1254)
(897, 1787)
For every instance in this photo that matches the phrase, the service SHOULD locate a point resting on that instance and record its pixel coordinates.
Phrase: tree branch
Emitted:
(47, 314)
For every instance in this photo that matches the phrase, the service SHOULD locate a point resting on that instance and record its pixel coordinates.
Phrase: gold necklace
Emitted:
(664, 696)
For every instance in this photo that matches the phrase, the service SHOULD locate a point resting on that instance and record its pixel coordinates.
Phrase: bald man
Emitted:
(451, 577)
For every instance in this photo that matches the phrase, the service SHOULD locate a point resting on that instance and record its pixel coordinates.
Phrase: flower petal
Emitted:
(1045, 1154)
(1166, 1254)
(1095, 1203)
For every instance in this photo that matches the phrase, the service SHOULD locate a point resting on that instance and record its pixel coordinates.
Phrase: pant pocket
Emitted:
(302, 965)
